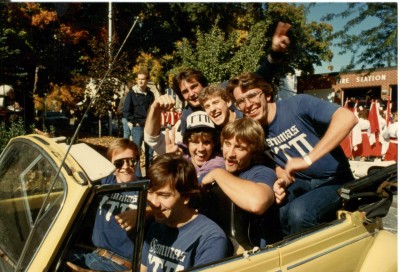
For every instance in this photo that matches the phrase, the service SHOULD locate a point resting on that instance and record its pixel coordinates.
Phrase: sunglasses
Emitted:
(120, 162)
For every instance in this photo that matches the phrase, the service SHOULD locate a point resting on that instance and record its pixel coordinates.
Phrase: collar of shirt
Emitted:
(138, 90)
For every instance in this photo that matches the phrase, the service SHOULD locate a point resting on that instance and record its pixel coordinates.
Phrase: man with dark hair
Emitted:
(180, 237)
(189, 83)
(135, 109)
(303, 134)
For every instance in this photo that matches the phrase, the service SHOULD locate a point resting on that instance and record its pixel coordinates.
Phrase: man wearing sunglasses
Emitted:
(303, 134)
(114, 219)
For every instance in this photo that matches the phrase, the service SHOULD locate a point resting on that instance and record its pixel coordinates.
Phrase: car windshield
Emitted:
(26, 175)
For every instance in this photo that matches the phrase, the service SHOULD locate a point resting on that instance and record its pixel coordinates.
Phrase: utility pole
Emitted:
(110, 21)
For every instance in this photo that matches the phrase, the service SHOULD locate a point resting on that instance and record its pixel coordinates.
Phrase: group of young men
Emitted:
(299, 137)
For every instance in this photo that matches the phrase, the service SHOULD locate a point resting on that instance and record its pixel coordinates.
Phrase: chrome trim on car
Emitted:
(329, 251)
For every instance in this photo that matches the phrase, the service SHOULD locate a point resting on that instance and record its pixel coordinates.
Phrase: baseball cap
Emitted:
(197, 120)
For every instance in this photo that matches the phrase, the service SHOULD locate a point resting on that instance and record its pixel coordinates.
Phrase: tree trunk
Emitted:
(99, 126)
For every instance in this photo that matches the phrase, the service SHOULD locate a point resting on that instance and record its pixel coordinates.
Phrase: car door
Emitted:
(30, 200)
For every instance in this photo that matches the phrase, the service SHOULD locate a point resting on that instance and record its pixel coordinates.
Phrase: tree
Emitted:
(66, 43)
(221, 54)
(155, 68)
(310, 42)
(47, 50)
(107, 76)
(373, 47)
(220, 58)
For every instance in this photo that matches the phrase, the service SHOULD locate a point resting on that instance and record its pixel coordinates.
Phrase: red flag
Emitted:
(373, 118)
(388, 112)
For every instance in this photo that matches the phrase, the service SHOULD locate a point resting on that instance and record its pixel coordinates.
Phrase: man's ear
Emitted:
(268, 98)
(229, 103)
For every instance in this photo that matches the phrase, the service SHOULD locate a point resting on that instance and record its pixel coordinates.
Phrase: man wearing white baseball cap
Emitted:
(200, 143)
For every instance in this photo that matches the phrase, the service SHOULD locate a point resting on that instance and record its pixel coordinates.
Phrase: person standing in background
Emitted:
(126, 131)
(136, 105)
(363, 150)
(9, 107)
(390, 134)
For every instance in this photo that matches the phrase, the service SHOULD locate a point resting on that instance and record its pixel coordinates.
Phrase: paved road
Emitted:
(390, 221)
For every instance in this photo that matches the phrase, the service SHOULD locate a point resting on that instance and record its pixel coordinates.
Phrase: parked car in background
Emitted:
(56, 119)
(49, 192)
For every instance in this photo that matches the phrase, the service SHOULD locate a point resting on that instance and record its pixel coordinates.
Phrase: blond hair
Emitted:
(245, 130)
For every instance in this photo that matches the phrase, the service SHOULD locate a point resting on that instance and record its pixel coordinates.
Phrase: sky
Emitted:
(323, 8)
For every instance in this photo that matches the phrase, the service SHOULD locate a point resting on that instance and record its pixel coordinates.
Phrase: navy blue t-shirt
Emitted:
(259, 174)
(299, 124)
(173, 249)
(107, 233)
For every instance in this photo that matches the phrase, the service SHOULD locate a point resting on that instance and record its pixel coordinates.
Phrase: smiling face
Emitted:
(255, 108)
(190, 91)
(237, 155)
(200, 145)
(126, 172)
(218, 110)
(167, 205)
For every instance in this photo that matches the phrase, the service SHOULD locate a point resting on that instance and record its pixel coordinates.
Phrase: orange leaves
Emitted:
(43, 18)
(151, 63)
(60, 95)
(67, 34)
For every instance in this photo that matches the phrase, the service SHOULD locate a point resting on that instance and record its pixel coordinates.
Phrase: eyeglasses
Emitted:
(120, 162)
(252, 97)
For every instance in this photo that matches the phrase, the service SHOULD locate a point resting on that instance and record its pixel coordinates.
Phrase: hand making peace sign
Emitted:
(170, 145)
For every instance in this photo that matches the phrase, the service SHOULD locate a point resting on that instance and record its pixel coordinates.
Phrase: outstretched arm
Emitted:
(248, 195)
(280, 44)
(341, 124)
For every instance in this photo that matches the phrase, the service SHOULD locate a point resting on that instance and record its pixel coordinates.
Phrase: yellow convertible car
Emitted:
(49, 190)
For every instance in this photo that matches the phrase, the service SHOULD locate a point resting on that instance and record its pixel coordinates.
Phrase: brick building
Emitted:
(355, 85)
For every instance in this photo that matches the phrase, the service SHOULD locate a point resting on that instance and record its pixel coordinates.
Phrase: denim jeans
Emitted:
(93, 261)
(311, 202)
(137, 138)
(125, 127)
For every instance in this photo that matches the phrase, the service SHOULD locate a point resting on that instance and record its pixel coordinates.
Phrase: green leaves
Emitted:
(375, 46)
(221, 39)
